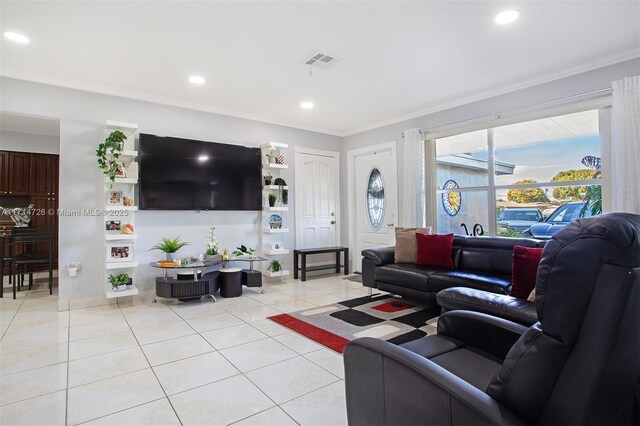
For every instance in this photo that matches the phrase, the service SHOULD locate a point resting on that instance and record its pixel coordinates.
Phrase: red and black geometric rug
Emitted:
(383, 316)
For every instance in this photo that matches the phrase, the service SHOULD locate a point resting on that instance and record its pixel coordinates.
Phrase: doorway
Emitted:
(373, 198)
(317, 202)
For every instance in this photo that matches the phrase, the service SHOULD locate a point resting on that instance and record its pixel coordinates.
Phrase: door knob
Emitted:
(333, 222)
(333, 213)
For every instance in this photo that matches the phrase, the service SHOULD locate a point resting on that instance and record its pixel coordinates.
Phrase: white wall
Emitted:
(565, 87)
(28, 142)
(82, 116)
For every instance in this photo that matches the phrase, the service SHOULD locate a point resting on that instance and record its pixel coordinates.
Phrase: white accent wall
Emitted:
(82, 117)
(28, 142)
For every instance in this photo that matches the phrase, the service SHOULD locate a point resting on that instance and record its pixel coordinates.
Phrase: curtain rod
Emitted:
(498, 114)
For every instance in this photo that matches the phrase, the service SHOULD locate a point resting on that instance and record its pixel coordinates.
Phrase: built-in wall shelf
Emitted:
(129, 153)
(274, 145)
(126, 128)
(276, 209)
(121, 265)
(282, 273)
(276, 166)
(129, 181)
(276, 231)
(276, 252)
(120, 237)
(118, 208)
(275, 187)
(131, 290)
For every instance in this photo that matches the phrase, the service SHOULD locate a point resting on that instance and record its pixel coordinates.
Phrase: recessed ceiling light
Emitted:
(506, 17)
(196, 79)
(306, 105)
(16, 37)
(203, 158)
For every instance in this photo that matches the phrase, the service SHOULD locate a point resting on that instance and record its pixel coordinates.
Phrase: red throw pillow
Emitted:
(435, 250)
(524, 270)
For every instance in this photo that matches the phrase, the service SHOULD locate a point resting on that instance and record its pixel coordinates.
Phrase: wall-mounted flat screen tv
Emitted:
(184, 174)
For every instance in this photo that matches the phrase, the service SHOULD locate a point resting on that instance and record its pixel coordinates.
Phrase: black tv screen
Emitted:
(184, 174)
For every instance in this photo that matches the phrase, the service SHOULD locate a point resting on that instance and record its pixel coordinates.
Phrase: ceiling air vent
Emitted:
(321, 60)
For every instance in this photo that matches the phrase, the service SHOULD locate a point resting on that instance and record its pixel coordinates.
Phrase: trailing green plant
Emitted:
(243, 250)
(119, 279)
(272, 199)
(169, 245)
(108, 153)
(275, 266)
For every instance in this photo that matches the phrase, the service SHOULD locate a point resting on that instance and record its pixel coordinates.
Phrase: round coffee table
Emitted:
(181, 288)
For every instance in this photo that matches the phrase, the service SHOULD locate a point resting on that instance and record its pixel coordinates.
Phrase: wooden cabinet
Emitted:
(19, 173)
(4, 172)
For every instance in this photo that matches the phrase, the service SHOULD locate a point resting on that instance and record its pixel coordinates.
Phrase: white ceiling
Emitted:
(397, 59)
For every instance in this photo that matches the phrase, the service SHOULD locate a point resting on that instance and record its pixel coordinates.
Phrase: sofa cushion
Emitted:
(525, 267)
(497, 283)
(435, 250)
(499, 305)
(406, 245)
(406, 275)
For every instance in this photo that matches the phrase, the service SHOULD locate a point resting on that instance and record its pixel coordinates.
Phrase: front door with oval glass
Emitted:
(376, 201)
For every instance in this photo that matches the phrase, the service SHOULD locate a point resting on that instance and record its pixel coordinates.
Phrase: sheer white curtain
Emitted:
(625, 145)
(431, 184)
(412, 194)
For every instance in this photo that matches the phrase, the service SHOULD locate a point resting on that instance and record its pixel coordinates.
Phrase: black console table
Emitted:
(303, 268)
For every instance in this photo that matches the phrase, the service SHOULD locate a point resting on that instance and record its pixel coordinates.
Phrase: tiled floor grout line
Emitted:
(152, 370)
(128, 408)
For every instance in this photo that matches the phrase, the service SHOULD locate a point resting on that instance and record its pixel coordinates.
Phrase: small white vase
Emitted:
(171, 256)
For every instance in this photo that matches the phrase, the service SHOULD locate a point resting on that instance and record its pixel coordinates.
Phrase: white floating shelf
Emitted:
(129, 181)
(270, 274)
(276, 252)
(276, 231)
(276, 166)
(129, 153)
(275, 187)
(118, 208)
(120, 237)
(124, 127)
(276, 145)
(121, 265)
(131, 290)
(276, 209)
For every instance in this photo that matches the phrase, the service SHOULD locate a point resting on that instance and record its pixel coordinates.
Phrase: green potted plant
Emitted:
(275, 266)
(170, 246)
(272, 199)
(108, 153)
(271, 156)
(119, 282)
(268, 178)
(243, 251)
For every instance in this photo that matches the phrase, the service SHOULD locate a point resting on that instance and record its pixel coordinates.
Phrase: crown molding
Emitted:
(145, 97)
(590, 66)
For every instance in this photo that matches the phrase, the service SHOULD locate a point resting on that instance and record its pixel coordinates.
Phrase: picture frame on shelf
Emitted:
(277, 245)
(114, 198)
(121, 170)
(122, 252)
(113, 227)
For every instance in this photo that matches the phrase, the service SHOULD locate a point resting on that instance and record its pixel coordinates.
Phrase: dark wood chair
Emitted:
(36, 248)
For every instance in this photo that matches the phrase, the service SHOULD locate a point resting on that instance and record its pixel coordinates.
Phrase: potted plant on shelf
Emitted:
(272, 199)
(108, 153)
(268, 178)
(275, 266)
(271, 156)
(243, 251)
(120, 282)
(283, 194)
(170, 246)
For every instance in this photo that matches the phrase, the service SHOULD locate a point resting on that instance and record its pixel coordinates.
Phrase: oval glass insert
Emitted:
(375, 199)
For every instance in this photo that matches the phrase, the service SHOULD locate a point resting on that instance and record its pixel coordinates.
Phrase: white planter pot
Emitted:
(171, 256)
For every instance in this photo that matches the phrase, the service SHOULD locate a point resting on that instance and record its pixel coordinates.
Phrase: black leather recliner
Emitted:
(579, 365)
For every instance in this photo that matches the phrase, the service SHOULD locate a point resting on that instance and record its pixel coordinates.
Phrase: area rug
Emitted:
(382, 316)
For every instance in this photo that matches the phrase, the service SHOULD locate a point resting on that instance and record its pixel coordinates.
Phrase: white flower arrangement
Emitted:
(212, 244)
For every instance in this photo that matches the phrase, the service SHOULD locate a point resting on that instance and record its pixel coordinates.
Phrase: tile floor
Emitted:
(168, 363)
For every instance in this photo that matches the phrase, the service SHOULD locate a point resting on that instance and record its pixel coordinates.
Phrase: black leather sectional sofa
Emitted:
(482, 263)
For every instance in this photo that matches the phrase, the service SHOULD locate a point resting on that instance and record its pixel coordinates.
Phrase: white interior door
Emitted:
(376, 201)
(317, 202)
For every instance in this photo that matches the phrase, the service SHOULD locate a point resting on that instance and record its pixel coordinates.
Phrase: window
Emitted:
(507, 179)
(375, 199)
